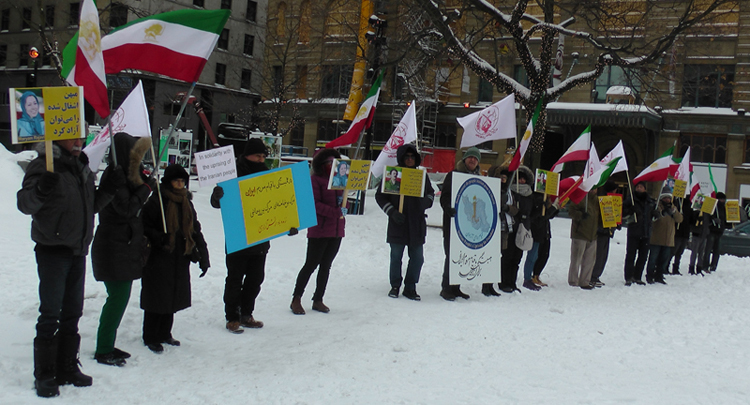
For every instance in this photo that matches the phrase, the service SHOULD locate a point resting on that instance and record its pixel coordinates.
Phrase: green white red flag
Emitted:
(578, 151)
(86, 60)
(617, 151)
(525, 140)
(660, 170)
(598, 178)
(362, 120)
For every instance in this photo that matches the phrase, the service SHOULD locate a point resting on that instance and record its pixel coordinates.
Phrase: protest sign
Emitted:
(733, 211)
(474, 233)
(606, 208)
(709, 205)
(547, 182)
(46, 114)
(412, 182)
(359, 175)
(617, 206)
(265, 205)
(215, 165)
(339, 174)
(680, 187)
(391, 183)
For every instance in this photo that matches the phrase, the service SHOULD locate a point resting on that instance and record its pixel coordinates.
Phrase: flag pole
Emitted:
(630, 189)
(112, 151)
(158, 189)
(177, 120)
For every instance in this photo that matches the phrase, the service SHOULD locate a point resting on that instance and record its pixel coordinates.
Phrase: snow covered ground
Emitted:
(683, 343)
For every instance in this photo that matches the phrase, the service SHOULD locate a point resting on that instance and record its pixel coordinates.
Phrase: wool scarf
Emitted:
(176, 199)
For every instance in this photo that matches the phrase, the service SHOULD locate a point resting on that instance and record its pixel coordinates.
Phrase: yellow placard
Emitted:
(606, 207)
(733, 211)
(412, 182)
(709, 205)
(359, 175)
(63, 107)
(617, 206)
(269, 205)
(553, 183)
(680, 187)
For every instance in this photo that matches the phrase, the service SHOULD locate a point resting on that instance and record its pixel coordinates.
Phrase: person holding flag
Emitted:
(583, 240)
(640, 207)
(716, 230)
(664, 218)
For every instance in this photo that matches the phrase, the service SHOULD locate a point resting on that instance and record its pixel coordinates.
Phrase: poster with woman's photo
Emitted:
(339, 174)
(46, 113)
(391, 183)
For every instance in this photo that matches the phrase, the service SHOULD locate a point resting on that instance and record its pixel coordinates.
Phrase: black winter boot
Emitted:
(488, 291)
(67, 363)
(691, 270)
(45, 358)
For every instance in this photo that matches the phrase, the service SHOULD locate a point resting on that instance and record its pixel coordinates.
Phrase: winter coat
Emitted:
(414, 229)
(166, 276)
(64, 217)
(682, 230)
(523, 199)
(584, 228)
(118, 249)
(718, 219)
(446, 195)
(642, 208)
(540, 226)
(663, 228)
(331, 221)
(699, 223)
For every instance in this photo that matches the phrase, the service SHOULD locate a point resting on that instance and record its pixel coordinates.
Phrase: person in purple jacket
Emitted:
(324, 239)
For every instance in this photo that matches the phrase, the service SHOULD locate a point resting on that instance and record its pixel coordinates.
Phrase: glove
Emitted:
(344, 211)
(293, 231)
(204, 264)
(165, 241)
(451, 212)
(115, 179)
(585, 216)
(398, 217)
(216, 196)
(47, 183)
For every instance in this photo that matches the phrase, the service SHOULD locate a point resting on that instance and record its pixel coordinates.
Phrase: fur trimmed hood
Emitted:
(130, 151)
(320, 159)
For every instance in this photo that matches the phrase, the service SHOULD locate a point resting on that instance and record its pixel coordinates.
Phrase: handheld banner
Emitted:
(475, 236)
(359, 175)
(698, 202)
(680, 187)
(391, 183)
(412, 182)
(733, 211)
(606, 207)
(547, 182)
(709, 205)
(617, 206)
(339, 174)
(46, 114)
(262, 206)
(215, 165)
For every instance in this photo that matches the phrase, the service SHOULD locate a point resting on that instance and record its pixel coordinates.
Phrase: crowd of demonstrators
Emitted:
(469, 164)
(583, 228)
(119, 246)
(522, 199)
(603, 237)
(165, 285)
(407, 227)
(62, 204)
(639, 209)
(323, 239)
(245, 268)
(664, 218)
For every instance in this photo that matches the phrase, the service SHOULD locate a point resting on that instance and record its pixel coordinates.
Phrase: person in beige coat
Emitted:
(664, 217)
(583, 240)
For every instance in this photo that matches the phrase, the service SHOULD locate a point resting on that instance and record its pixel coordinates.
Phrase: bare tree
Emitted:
(634, 35)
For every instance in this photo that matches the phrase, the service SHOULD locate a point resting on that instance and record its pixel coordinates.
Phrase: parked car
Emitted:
(736, 242)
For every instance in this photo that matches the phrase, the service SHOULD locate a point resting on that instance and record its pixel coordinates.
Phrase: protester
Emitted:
(117, 253)
(323, 239)
(407, 227)
(664, 218)
(469, 164)
(583, 240)
(716, 229)
(699, 227)
(62, 205)
(245, 268)
(507, 212)
(31, 122)
(541, 214)
(681, 236)
(165, 286)
(521, 194)
(639, 208)
(603, 237)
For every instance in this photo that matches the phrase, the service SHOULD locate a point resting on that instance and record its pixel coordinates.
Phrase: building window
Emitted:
(252, 10)
(226, 4)
(304, 21)
(519, 75)
(329, 130)
(221, 73)
(278, 81)
(705, 148)
(298, 135)
(336, 81)
(747, 151)
(249, 45)
(118, 15)
(613, 76)
(198, 3)
(23, 60)
(46, 59)
(223, 42)
(75, 13)
(26, 19)
(49, 16)
(302, 82)
(281, 20)
(5, 20)
(381, 132)
(247, 79)
(485, 91)
(708, 86)
(445, 135)
(3, 54)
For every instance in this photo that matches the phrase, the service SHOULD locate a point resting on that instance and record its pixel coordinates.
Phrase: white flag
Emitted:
(593, 165)
(497, 121)
(131, 117)
(617, 151)
(405, 132)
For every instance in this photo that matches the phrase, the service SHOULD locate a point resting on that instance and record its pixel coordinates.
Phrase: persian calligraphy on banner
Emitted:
(617, 206)
(266, 205)
(547, 182)
(680, 187)
(359, 175)
(606, 207)
(46, 114)
(733, 211)
(412, 182)
(709, 205)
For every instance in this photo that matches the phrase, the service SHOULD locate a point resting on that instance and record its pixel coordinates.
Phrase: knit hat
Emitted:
(721, 196)
(472, 152)
(609, 186)
(253, 146)
(665, 192)
(174, 172)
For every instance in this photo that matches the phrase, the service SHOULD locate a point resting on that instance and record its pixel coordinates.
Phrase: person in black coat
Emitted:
(521, 196)
(117, 253)
(699, 228)
(603, 237)
(639, 232)
(715, 231)
(541, 213)
(506, 214)
(166, 276)
(681, 236)
(406, 227)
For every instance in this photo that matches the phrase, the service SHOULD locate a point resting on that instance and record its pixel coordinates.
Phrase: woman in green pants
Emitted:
(119, 250)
